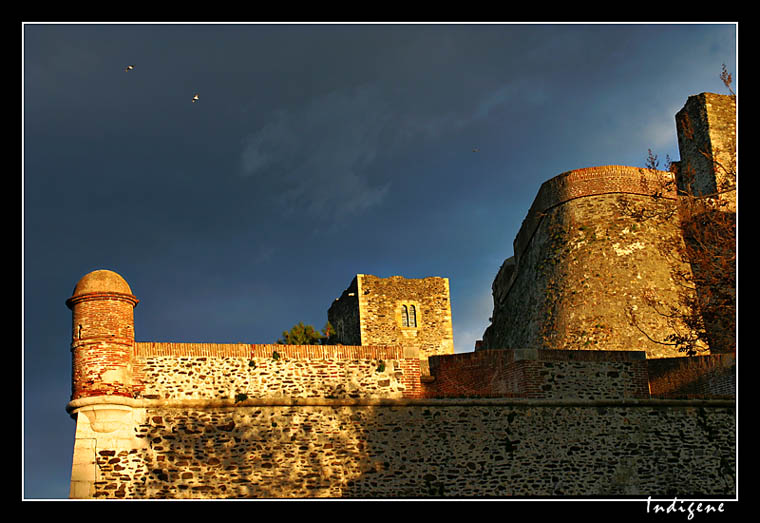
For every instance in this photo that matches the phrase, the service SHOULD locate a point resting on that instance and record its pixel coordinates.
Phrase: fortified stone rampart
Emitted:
(596, 243)
(206, 420)
(591, 181)
(409, 449)
(388, 410)
(540, 374)
(595, 263)
(344, 315)
(240, 371)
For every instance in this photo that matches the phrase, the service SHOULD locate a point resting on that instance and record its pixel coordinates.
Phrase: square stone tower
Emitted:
(395, 311)
(706, 129)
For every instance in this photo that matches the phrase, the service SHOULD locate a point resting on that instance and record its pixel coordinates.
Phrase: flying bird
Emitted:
(195, 98)
(129, 68)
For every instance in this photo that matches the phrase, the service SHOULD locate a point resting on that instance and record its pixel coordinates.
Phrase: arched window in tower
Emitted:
(412, 316)
(404, 316)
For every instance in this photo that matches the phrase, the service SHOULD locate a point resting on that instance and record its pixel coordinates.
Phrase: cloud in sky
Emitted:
(523, 89)
(321, 152)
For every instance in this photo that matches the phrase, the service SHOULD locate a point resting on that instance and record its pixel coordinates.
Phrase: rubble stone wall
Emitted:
(586, 275)
(241, 371)
(414, 449)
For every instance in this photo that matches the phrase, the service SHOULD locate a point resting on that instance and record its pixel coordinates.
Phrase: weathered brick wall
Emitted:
(530, 373)
(710, 375)
(418, 450)
(229, 371)
(585, 267)
(380, 302)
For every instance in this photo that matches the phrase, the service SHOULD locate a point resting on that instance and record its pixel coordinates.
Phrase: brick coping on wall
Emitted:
(265, 350)
(77, 404)
(509, 355)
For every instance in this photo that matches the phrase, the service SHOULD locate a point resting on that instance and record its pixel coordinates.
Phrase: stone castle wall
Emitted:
(236, 421)
(535, 373)
(713, 375)
(594, 261)
(418, 449)
(343, 315)
(591, 181)
(390, 411)
(587, 257)
(171, 371)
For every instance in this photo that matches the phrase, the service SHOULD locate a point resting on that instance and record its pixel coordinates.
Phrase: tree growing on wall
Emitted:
(707, 288)
(301, 334)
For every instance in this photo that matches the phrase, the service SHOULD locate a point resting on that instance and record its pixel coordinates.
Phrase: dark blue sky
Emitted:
(314, 152)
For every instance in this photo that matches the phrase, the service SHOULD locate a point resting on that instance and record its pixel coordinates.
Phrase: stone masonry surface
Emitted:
(381, 299)
(227, 371)
(585, 270)
(713, 375)
(707, 124)
(343, 315)
(418, 451)
(595, 247)
(530, 373)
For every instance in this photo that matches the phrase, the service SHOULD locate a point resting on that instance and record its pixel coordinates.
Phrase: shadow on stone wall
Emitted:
(424, 451)
(252, 452)
(697, 376)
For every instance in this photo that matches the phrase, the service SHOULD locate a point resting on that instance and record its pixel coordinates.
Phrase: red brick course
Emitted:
(539, 374)
(711, 375)
(251, 350)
